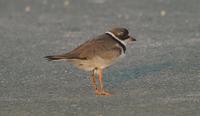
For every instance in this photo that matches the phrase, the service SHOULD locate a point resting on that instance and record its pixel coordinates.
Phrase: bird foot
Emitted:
(102, 93)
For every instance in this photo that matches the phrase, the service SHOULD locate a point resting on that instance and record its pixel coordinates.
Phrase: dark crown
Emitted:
(121, 33)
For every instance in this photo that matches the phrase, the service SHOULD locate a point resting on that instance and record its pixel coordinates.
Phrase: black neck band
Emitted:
(122, 45)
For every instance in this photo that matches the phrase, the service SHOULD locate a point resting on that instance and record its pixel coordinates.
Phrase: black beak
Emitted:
(132, 39)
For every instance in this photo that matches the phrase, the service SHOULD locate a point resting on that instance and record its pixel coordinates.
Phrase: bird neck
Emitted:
(120, 42)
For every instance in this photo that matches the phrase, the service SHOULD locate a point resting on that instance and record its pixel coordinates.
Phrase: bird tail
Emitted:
(55, 57)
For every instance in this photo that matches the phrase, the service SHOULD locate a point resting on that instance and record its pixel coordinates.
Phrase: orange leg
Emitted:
(93, 79)
(101, 89)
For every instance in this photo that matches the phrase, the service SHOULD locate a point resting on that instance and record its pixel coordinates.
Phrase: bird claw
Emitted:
(102, 93)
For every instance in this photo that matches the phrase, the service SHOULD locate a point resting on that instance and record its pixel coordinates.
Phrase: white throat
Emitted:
(115, 37)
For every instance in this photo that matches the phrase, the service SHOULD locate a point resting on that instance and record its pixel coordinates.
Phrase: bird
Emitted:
(97, 54)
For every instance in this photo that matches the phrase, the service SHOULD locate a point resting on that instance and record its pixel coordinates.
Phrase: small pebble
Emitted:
(66, 3)
(27, 8)
(162, 12)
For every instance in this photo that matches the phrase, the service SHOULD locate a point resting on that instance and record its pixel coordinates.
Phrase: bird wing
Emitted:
(103, 47)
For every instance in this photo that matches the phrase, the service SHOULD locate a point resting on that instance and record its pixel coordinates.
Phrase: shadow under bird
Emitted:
(97, 54)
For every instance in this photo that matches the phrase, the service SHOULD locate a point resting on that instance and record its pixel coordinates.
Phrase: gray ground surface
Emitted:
(160, 75)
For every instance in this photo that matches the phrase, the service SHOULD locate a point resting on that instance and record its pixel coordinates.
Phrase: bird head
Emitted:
(122, 34)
